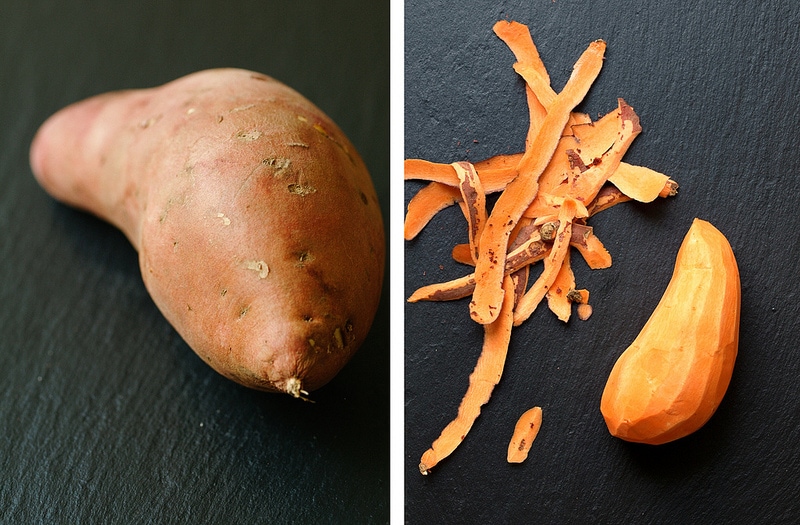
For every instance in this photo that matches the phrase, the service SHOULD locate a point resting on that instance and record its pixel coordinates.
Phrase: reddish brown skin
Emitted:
(195, 174)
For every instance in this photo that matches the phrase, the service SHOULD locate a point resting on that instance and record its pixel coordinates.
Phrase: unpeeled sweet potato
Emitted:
(258, 229)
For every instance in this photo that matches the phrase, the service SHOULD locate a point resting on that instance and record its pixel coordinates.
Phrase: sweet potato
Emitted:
(671, 379)
(258, 229)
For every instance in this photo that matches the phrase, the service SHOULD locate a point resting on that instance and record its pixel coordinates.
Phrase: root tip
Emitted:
(294, 387)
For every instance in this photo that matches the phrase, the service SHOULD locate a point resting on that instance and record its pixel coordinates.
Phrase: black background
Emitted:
(106, 415)
(716, 87)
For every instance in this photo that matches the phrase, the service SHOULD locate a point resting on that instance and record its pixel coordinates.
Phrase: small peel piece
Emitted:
(525, 431)
(638, 182)
(584, 311)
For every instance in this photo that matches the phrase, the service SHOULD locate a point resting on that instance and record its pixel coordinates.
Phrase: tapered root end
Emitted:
(294, 387)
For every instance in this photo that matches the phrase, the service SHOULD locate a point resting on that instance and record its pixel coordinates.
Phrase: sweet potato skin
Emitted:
(258, 229)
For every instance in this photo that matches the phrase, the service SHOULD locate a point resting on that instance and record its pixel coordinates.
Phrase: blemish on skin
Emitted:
(242, 108)
(244, 311)
(548, 231)
(223, 292)
(575, 296)
(343, 147)
(301, 189)
(337, 335)
(258, 266)
(301, 118)
(279, 165)
(304, 258)
(190, 111)
(320, 129)
(363, 198)
(226, 221)
(146, 123)
(248, 135)
(312, 343)
(297, 144)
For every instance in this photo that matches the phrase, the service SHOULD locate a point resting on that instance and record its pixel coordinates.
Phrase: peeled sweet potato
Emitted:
(258, 229)
(671, 379)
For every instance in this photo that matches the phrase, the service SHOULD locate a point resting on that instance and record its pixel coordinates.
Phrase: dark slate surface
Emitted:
(715, 85)
(106, 415)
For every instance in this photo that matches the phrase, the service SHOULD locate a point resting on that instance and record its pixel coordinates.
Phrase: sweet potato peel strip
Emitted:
(475, 201)
(626, 182)
(426, 203)
(482, 381)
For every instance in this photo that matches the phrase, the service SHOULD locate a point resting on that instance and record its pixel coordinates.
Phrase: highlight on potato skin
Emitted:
(259, 232)
(671, 379)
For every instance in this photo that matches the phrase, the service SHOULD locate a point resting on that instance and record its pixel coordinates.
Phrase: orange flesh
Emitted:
(671, 379)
